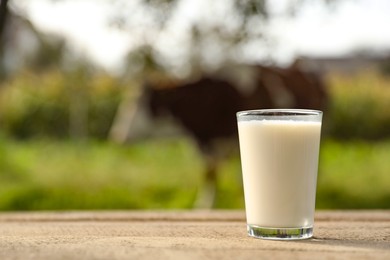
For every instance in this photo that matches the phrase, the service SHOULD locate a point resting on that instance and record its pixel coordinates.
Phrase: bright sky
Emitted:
(90, 35)
(352, 25)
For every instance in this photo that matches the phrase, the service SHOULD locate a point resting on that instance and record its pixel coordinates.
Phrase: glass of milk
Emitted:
(279, 151)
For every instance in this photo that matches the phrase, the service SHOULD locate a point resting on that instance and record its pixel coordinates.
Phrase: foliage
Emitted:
(34, 105)
(41, 105)
(359, 106)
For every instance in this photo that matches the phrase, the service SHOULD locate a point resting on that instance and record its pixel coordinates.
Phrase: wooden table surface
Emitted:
(185, 235)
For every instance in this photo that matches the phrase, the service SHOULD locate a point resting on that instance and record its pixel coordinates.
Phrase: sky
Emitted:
(318, 31)
(352, 25)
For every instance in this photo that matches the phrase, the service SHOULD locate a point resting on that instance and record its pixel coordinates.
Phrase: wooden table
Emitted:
(185, 235)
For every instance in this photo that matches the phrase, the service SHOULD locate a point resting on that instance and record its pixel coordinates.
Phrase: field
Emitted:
(166, 173)
(40, 168)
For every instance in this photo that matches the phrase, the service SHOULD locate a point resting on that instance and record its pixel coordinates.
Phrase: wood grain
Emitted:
(185, 235)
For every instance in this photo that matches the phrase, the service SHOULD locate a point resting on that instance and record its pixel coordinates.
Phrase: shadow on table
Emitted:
(383, 244)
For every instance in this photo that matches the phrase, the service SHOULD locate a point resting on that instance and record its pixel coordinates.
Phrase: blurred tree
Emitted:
(3, 21)
(23, 45)
(182, 37)
(185, 37)
(179, 36)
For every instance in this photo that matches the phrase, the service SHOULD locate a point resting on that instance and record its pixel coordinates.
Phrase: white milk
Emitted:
(279, 164)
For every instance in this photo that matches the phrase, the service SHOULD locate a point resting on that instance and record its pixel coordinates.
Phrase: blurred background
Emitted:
(99, 99)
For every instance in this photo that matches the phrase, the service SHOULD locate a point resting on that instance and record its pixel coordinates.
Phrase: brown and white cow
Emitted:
(206, 108)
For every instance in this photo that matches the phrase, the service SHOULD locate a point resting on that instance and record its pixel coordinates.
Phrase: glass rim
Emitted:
(282, 112)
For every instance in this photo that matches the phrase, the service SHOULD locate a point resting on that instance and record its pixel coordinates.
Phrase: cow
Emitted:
(206, 109)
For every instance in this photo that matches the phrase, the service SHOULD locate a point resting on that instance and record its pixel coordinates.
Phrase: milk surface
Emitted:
(279, 161)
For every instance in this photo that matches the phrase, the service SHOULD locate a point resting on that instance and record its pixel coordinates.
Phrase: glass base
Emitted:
(279, 233)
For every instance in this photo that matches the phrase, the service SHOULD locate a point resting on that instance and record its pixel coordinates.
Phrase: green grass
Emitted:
(354, 175)
(65, 175)
(164, 174)
(358, 106)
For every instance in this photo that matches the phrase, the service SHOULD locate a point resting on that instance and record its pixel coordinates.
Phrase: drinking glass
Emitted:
(279, 151)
